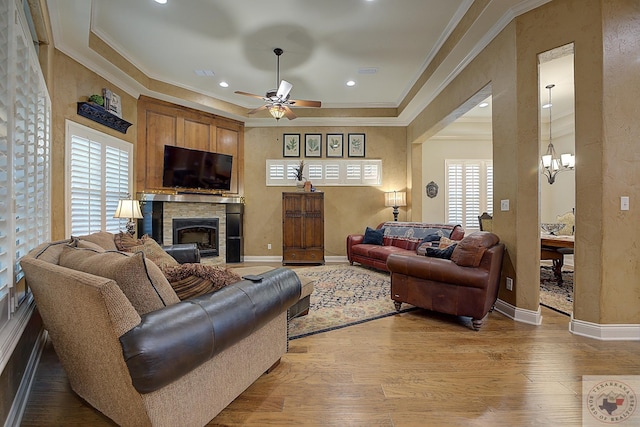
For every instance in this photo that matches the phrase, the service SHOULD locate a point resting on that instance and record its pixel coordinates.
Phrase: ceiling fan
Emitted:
(277, 101)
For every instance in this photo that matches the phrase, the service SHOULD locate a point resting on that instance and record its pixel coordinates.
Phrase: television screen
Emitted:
(196, 169)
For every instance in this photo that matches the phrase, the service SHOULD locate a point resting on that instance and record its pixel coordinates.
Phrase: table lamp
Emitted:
(395, 199)
(129, 209)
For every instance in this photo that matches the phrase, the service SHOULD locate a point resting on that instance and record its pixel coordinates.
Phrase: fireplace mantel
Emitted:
(189, 198)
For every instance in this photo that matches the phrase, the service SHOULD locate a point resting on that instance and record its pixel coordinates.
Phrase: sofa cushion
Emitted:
(373, 236)
(469, 251)
(139, 279)
(103, 239)
(153, 251)
(85, 244)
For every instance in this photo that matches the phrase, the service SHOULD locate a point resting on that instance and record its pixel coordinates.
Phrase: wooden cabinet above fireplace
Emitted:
(162, 123)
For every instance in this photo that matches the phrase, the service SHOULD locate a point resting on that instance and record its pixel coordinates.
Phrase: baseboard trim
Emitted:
(14, 417)
(519, 314)
(614, 332)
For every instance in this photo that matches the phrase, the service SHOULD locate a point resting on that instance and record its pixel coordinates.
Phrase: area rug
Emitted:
(343, 295)
(554, 296)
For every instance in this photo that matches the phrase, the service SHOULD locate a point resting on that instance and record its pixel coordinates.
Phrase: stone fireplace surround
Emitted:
(186, 206)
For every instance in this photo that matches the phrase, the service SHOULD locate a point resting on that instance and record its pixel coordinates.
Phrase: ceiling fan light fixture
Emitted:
(277, 111)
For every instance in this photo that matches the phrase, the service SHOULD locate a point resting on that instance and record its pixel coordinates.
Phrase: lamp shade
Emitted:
(128, 209)
(277, 111)
(395, 198)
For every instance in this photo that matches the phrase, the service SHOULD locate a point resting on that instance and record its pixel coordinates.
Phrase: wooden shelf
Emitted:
(102, 116)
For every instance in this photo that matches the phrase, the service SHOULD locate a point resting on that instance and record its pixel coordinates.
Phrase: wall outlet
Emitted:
(269, 246)
(509, 284)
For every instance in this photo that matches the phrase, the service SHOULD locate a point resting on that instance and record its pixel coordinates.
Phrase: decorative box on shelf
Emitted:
(100, 115)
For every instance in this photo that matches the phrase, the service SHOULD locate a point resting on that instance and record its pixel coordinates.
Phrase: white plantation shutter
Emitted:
(325, 172)
(469, 191)
(99, 175)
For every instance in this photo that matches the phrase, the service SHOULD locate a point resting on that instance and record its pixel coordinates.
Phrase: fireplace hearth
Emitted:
(201, 231)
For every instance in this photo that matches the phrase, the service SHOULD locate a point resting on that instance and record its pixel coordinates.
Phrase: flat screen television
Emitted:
(195, 169)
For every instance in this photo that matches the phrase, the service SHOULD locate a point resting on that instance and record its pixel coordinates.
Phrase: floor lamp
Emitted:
(395, 199)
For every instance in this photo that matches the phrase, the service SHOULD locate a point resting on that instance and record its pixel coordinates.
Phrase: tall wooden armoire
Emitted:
(303, 228)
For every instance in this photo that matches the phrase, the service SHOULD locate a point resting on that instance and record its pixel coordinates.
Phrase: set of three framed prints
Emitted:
(334, 145)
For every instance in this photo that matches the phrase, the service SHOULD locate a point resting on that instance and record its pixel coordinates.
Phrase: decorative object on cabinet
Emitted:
(432, 189)
(303, 228)
(102, 116)
(291, 145)
(356, 145)
(335, 145)
(313, 145)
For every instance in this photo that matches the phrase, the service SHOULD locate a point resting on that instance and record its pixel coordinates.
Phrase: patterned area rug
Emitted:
(343, 295)
(554, 296)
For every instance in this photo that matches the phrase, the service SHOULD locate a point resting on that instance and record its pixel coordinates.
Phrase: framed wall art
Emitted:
(313, 145)
(335, 145)
(291, 145)
(356, 145)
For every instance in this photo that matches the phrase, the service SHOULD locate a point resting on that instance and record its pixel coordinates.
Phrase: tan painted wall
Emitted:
(606, 278)
(433, 169)
(72, 83)
(347, 209)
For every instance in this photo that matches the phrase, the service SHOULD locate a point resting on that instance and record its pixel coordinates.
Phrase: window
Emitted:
(281, 172)
(469, 191)
(99, 175)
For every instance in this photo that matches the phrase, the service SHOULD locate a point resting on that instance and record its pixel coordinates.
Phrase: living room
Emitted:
(607, 295)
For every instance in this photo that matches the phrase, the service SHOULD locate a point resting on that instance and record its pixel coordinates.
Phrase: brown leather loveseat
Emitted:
(465, 285)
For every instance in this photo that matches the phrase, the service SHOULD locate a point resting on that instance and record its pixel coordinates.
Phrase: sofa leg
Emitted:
(398, 304)
(477, 324)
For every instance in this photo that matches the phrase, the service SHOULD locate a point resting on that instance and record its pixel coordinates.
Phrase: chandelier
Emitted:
(551, 164)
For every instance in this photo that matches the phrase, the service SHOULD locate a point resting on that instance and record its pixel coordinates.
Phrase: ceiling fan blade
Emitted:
(239, 92)
(288, 113)
(304, 103)
(284, 89)
(255, 110)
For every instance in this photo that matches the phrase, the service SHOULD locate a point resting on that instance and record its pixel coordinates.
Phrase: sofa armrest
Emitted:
(353, 239)
(437, 270)
(170, 342)
(184, 252)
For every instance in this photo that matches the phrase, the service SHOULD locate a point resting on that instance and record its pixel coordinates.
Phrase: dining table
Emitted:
(555, 247)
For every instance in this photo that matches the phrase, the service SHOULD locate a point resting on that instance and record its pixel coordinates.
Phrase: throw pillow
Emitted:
(431, 238)
(441, 253)
(124, 241)
(373, 236)
(85, 244)
(190, 280)
(139, 279)
(445, 242)
(153, 251)
(103, 239)
(50, 252)
(469, 252)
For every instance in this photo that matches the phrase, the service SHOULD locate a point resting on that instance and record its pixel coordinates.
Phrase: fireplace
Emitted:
(201, 231)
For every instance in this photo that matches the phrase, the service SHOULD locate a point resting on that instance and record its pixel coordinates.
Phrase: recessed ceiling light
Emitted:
(224, 84)
(483, 104)
(351, 83)
(161, 1)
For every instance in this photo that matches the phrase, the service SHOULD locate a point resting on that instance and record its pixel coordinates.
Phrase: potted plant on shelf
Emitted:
(299, 177)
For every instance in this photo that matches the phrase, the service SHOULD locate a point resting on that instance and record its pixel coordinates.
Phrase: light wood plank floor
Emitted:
(412, 369)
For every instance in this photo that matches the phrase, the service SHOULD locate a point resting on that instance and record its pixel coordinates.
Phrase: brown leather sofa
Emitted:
(465, 285)
(398, 238)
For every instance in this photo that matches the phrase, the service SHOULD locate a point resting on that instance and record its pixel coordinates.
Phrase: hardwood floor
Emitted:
(416, 368)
